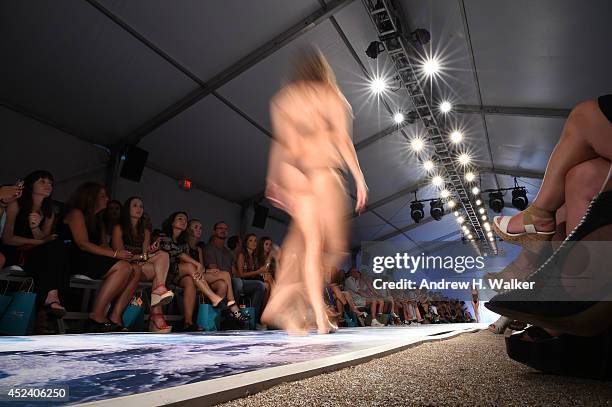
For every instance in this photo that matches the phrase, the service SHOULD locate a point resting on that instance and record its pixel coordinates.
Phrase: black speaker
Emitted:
(260, 217)
(134, 162)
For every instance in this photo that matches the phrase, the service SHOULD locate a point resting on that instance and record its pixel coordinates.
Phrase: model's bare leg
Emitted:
(306, 217)
(286, 305)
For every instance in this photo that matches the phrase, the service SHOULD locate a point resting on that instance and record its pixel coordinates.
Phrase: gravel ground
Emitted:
(469, 370)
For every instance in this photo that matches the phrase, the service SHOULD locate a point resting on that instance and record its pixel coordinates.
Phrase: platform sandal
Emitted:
(161, 298)
(500, 224)
(157, 324)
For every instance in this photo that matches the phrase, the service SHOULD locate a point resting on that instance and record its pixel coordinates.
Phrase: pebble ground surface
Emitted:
(469, 370)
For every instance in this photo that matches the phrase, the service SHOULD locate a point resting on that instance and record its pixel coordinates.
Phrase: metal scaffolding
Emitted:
(387, 21)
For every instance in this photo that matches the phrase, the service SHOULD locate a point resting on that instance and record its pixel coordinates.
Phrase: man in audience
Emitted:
(358, 289)
(216, 255)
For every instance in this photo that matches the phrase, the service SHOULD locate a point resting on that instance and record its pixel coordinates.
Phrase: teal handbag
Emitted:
(20, 315)
(208, 317)
(133, 315)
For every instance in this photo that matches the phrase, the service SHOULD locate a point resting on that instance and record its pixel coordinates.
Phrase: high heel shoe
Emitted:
(582, 318)
(162, 298)
(500, 224)
(161, 327)
(238, 316)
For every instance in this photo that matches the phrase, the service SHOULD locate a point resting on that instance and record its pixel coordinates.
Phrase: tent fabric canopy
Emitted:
(98, 72)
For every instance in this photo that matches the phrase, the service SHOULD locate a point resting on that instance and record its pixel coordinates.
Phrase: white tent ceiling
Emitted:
(104, 70)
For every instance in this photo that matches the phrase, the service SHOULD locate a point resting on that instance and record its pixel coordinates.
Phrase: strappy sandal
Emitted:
(162, 298)
(162, 327)
(500, 224)
(238, 316)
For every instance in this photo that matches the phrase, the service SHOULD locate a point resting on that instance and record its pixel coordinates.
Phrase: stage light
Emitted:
(437, 181)
(375, 48)
(398, 118)
(444, 193)
(451, 204)
(469, 236)
(428, 165)
(464, 159)
(460, 219)
(475, 190)
(420, 36)
(487, 226)
(416, 211)
(478, 202)
(489, 233)
(378, 85)
(436, 209)
(431, 67)
(481, 210)
(470, 176)
(456, 213)
(417, 144)
(496, 201)
(445, 107)
(484, 217)
(465, 228)
(492, 239)
(456, 136)
(519, 198)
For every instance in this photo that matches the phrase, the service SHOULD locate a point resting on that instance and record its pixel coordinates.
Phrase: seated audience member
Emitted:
(219, 281)
(216, 255)
(358, 289)
(266, 262)
(149, 263)
(184, 270)
(344, 299)
(245, 266)
(111, 217)
(30, 241)
(8, 194)
(85, 229)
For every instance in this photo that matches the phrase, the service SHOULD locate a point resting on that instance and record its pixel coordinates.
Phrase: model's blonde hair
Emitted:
(309, 65)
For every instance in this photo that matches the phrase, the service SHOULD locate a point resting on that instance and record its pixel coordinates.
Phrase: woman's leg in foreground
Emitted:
(585, 136)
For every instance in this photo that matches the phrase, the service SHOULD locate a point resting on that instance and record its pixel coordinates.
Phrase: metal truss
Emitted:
(387, 21)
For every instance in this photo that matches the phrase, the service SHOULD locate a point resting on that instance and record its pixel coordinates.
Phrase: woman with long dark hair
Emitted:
(188, 272)
(311, 122)
(246, 263)
(30, 241)
(149, 263)
(84, 227)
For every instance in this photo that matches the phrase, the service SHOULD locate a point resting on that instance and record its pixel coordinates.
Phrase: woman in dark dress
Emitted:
(85, 229)
(30, 241)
